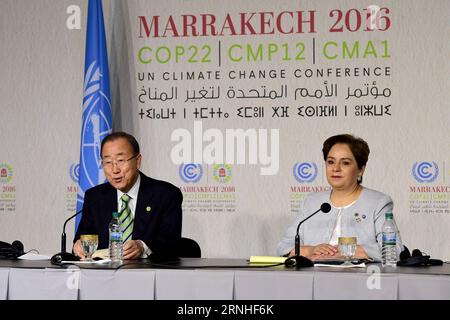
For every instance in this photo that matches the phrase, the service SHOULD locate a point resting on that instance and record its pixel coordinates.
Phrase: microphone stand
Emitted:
(63, 255)
(301, 261)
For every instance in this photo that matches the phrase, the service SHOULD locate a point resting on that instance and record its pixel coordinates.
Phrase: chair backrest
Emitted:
(189, 248)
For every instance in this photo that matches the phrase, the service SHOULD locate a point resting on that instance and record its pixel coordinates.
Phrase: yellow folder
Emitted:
(267, 259)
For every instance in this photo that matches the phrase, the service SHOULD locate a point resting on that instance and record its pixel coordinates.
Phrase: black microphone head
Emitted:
(325, 207)
(63, 256)
(56, 259)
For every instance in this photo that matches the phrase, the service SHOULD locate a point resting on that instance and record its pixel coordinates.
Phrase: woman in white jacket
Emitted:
(355, 210)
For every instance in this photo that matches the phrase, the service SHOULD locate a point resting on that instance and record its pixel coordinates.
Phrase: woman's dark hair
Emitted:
(117, 135)
(358, 146)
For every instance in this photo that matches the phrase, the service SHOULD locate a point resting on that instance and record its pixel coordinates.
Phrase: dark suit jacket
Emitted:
(159, 228)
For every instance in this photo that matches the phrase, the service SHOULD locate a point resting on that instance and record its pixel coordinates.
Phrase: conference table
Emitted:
(217, 279)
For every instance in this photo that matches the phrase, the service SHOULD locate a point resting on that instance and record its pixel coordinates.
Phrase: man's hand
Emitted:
(78, 250)
(132, 249)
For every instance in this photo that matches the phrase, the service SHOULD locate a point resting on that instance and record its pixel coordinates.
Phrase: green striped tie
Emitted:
(126, 222)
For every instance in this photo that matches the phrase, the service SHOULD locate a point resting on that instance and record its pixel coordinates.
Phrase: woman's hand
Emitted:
(324, 249)
(361, 253)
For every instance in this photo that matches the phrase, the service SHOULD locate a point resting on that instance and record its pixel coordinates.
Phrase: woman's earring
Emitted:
(359, 180)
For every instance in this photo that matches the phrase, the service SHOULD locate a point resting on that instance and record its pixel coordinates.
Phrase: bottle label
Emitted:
(115, 236)
(389, 239)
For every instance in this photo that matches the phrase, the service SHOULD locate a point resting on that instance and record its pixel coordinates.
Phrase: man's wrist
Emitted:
(145, 250)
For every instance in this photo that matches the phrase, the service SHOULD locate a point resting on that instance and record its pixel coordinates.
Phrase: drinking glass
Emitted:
(347, 248)
(89, 243)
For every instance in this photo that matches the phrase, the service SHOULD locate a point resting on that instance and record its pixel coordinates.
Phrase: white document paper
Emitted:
(33, 256)
(360, 265)
(88, 262)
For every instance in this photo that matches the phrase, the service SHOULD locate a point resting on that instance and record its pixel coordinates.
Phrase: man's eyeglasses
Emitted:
(120, 163)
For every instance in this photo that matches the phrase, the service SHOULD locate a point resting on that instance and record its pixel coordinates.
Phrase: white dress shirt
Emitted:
(337, 228)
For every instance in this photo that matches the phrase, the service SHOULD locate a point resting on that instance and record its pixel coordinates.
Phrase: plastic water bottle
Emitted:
(389, 254)
(115, 239)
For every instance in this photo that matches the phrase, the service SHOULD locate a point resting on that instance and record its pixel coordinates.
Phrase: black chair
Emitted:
(189, 248)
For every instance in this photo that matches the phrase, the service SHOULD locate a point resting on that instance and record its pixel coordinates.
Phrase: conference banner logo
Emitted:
(425, 172)
(6, 173)
(72, 190)
(222, 173)
(305, 172)
(7, 191)
(207, 197)
(191, 172)
(74, 172)
(429, 197)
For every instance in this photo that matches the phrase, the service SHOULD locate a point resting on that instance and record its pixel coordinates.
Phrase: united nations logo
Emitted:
(74, 172)
(191, 172)
(6, 173)
(222, 173)
(97, 123)
(425, 171)
(305, 171)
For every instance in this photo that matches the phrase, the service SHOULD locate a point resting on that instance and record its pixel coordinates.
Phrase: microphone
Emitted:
(63, 255)
(301, 261)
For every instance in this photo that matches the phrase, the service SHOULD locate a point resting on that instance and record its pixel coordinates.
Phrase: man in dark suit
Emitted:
(153, 216)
